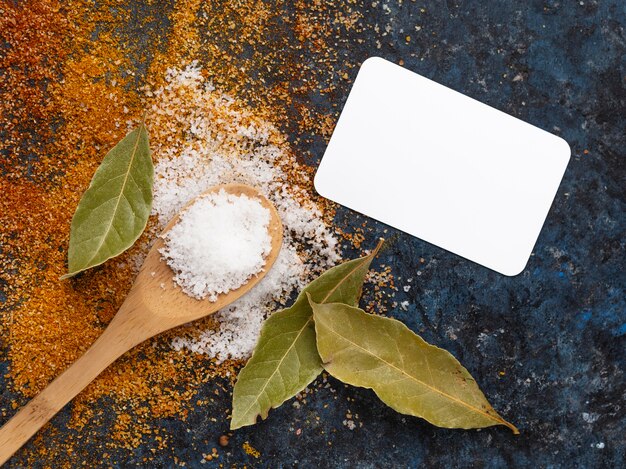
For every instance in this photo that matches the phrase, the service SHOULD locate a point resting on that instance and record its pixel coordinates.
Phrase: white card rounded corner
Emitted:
(514, 270)
(373, 61)
(565, 151)
(318, 183)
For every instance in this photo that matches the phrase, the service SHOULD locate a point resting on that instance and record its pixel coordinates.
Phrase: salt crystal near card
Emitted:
(442, 166)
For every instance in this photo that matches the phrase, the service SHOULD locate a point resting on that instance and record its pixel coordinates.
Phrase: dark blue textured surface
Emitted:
(547, 346)
(557, 331)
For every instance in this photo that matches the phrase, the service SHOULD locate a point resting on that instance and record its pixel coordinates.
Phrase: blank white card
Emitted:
(442, 166)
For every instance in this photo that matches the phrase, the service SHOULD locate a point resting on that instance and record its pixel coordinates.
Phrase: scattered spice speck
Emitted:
(250, 450)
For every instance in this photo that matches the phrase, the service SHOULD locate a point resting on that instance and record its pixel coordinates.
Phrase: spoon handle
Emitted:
(123, 333)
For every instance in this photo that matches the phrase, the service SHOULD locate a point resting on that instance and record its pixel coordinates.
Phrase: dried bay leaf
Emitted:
(285, 359)
(407, 373)
(114, 210)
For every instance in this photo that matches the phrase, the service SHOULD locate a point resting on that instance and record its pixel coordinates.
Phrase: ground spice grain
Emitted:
(32, 34)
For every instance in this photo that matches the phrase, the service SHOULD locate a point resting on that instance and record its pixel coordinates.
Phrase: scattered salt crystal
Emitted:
(224, 143)
(404, 305)
(406, 288)
(218, 244)
(590, 417)
(350, 424)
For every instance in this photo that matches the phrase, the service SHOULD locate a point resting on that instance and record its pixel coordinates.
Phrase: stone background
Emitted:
(547, 346)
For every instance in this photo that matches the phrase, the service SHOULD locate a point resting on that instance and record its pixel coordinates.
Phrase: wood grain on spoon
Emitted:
(154, 305)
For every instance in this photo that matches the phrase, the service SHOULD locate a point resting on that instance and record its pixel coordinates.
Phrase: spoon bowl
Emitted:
(155, 286)
(155, 304)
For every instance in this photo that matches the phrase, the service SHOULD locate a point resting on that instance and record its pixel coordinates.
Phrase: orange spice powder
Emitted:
(69, 92)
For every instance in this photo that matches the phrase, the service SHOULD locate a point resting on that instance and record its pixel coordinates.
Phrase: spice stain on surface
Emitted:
(72, 89)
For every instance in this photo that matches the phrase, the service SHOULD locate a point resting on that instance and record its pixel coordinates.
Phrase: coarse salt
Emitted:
(218, 244)
(201, 138)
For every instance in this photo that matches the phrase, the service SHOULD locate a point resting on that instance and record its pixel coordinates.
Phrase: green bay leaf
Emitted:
(407, 373)
(285, 359)
(114, 209)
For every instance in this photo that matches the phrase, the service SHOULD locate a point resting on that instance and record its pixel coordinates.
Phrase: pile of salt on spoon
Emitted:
(218, 244)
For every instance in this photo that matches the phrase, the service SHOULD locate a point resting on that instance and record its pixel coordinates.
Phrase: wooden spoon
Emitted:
(154, 305)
